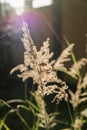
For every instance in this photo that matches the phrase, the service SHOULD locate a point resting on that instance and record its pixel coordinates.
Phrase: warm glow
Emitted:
(41, 3)
(17, 4)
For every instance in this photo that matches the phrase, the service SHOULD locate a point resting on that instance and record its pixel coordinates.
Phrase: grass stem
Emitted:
(70, 113)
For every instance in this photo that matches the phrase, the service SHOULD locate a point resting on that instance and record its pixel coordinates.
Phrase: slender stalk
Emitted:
(61, 122)
(24, 122)
(72, 122)
(2, 122)
(25, 115)
(26, 99)
(25, 90)
(6, 127)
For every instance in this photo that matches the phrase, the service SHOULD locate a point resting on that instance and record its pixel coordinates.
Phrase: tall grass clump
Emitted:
(39, 66)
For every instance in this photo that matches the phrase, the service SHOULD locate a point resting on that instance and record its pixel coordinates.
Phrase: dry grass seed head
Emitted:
(77, 66)
(38, 66)
(64, 57)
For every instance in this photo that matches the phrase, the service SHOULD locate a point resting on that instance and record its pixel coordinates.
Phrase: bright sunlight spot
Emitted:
(41, 3)
(18, 5)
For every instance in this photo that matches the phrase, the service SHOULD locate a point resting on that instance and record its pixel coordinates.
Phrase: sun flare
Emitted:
(18, 5)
